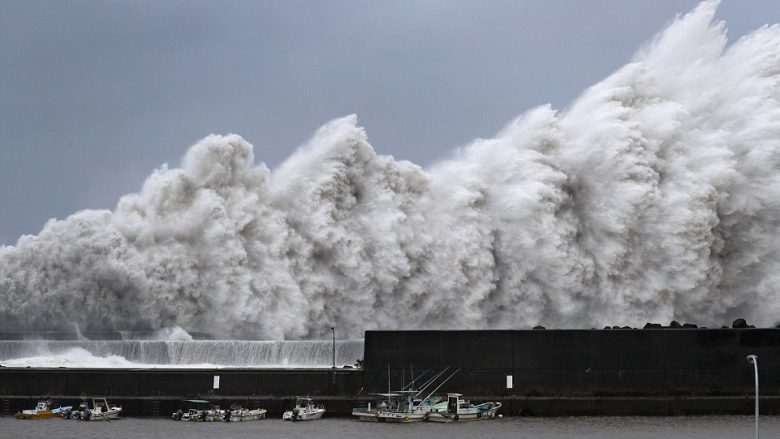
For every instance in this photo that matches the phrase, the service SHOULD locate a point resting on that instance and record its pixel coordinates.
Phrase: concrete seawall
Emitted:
(554, 372)
(642, 362)
(188, 383)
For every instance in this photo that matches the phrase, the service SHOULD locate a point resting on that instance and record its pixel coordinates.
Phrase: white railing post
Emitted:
(333, 330)
(754, 360)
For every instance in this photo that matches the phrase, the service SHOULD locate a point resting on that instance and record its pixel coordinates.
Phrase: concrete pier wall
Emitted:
(184, 383)
(643, 362)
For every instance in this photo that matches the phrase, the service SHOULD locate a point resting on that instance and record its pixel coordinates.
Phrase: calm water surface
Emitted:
(711, 427)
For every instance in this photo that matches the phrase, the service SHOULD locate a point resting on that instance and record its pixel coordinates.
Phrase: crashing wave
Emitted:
(653, 197)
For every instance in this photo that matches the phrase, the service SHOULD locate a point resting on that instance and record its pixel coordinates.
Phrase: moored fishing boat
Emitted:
(403, 406)
(204, 412)
(196, 406)
(42, 410)
(101, 411)
(458, 409)
(305, 410)
(211, 414)
(407, 407)
(240, 414)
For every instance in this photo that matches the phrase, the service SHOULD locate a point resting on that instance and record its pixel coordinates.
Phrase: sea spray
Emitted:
(654, 196)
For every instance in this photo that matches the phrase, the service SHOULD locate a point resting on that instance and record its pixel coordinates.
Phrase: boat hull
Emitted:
(366, 416)
(248, 415)
(108, 415)
(481, 412)
(402, 418)
(208, 417)
(26, 414)
(42, 411)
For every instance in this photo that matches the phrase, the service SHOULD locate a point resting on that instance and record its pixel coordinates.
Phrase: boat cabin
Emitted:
(303, 402)
(457, 405)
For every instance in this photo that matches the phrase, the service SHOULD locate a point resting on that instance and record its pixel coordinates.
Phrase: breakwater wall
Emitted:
(553, 372)
(593, 363)
(185, 383)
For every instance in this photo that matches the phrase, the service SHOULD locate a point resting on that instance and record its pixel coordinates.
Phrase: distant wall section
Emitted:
(660, 362)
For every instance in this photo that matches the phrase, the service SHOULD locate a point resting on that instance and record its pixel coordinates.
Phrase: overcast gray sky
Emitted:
(96, 94)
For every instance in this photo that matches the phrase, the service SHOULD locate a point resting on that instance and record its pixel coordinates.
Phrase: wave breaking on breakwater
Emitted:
(653, 197)
(179, 353)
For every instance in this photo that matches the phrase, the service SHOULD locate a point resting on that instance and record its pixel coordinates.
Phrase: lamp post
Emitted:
(333, 331)
(754, 360)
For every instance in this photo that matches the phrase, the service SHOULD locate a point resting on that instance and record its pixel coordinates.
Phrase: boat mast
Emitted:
(388, 385)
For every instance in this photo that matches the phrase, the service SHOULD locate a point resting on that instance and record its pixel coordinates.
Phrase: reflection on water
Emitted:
(713, 427)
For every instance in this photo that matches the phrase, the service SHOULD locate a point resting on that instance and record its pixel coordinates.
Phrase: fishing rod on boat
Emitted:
(443, 382)
(432, 380)
(411, 385)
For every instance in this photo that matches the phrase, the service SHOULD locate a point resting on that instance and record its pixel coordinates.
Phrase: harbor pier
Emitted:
(691, 371)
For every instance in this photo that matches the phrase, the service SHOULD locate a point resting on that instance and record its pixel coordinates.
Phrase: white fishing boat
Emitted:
(393, 407)
(405, 406)
(240, 414)
(458, 409)
(189, 415)
(211, 414)
(305, 410)
(101, 411)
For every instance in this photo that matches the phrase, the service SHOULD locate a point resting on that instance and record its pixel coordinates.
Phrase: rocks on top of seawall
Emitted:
(739, 323)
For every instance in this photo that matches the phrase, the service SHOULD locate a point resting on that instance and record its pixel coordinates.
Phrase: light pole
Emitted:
(333, 331)
(754, 359)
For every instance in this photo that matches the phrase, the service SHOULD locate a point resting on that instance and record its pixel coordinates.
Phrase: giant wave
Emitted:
(654, 196)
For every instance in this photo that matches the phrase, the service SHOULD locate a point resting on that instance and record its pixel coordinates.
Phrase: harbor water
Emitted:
(710, 427)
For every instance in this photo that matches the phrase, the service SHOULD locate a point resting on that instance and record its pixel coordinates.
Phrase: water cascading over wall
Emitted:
(179, 353)
(653, 197)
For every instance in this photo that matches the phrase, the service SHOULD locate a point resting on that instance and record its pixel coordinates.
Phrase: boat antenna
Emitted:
(411, 370)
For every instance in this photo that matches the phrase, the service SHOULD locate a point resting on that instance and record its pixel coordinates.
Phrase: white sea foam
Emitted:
(655, 196)
(179, 353)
